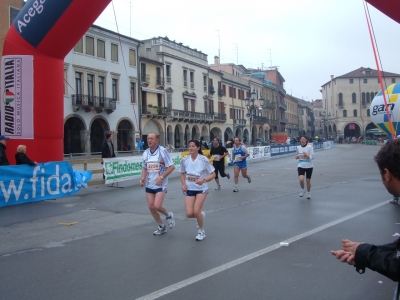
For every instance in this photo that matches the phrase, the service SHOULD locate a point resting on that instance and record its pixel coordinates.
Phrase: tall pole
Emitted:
(219, 47)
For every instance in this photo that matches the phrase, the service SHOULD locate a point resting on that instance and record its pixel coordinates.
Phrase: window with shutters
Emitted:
(79, 46)
(89, 45)
(132, 57)
(101, 48)
(114, 52)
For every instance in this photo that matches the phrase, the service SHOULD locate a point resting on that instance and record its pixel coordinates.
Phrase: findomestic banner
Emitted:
(119, 169)
(17, 96)
(23, 183)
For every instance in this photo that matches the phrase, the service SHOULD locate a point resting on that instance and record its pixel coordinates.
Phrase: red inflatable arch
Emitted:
(45, 31)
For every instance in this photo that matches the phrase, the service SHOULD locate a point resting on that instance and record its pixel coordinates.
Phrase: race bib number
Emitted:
(153, 166)
(217, 157)
(192, 177)
(238, 157)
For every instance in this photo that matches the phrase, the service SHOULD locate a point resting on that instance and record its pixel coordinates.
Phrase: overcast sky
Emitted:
(308, 40)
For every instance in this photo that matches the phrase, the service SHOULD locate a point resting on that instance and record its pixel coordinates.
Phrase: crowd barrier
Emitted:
(130, 167)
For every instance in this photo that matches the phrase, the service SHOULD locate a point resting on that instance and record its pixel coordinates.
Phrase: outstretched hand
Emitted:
(348, 252)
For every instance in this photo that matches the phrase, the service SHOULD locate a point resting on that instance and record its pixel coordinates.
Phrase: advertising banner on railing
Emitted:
(282, 149)
(23, 183)
(119, 169)
(256, 153)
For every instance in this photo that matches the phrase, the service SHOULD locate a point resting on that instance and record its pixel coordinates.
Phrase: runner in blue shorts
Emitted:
(239, 158)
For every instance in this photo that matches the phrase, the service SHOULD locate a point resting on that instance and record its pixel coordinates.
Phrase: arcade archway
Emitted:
(97, 134)
(72, 135)
(125, 138)
(352, 130)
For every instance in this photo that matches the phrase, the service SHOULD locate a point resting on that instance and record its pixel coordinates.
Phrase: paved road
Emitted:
(110, 253)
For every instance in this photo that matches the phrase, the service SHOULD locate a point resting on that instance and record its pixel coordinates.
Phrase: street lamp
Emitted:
(326, 120)
(253, 108)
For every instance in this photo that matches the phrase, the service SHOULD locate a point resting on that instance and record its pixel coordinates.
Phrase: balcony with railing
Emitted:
(96, 103)
(144, 79)
(239, 122)
(221, 93)
(219, 117)
(341, 105)
(160, 81)
(282, 105)
(169, 79)
(191, 116)
(211, 90)
(363, 103)
(284, 121)
(259, 120)
(156, 112)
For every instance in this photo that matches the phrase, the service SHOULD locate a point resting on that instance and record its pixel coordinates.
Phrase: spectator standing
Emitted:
(140, 144)
(384, 259)
(107, 147)
(21, 158)
(3, 148)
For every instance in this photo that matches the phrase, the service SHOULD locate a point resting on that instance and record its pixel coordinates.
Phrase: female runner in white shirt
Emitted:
(196, 171)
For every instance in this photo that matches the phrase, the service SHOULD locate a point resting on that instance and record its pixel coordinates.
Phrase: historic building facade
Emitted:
(347, 98)
(100, 92)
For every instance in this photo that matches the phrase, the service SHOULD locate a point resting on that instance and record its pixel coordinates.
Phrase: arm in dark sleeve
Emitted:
(384, 259)
(205, 145)
(28, 161)
(104, 153)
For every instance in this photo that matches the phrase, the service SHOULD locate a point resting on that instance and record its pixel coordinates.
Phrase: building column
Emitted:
(85, 141)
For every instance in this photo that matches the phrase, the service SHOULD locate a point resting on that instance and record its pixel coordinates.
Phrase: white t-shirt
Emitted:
(156, 163)
(305, 162)
(199, 168)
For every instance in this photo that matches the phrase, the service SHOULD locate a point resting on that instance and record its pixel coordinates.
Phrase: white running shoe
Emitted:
(160, 230)
(236, 190)
(218, 188)
(203, 214)
(301, 194)
(171, 220)
(308, 195)
(201, 235)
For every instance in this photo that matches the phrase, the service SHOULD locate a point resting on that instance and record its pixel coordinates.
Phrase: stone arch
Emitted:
(195, 132)
(238, 132)
(246, 136)
(98, 129)
(125, 135)
(370, 125)
(205, 133)
(349, 131)
(75, 135)
(170, 136)
(152, 125)
(228, 134)
(216, 132)
(179, 139)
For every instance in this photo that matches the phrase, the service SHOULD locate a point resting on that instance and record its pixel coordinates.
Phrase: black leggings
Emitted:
(221, 168)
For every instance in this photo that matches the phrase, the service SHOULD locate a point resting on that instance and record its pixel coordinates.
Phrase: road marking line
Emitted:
(234, 263)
